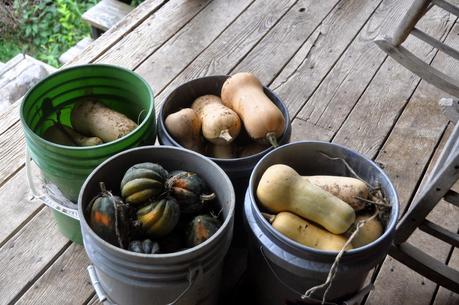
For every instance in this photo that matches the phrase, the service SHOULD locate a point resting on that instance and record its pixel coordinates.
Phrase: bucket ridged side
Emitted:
(283, 269)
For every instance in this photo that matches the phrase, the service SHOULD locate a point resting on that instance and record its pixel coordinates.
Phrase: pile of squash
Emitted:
(157, 211)
(317, 211)
(212, 123)
(92, 124)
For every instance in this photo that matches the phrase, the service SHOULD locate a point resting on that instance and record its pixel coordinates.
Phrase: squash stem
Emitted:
(207, 197)
(271, 137)
(269, 217)
(102, 187)
(225, 135)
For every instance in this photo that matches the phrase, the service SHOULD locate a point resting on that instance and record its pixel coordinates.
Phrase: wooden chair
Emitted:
(446, 170)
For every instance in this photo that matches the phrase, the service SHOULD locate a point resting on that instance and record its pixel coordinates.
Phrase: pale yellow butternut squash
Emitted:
(282, 189)
(306, 233)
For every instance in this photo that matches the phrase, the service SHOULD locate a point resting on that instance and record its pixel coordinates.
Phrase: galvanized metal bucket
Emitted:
(282, 270)
(187, 277)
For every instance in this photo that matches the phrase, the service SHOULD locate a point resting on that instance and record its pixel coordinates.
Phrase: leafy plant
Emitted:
(45, 28)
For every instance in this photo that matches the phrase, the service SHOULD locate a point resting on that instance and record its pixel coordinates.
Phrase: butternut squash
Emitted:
(369, 232)
(185, 127)
(345, 188)
(282, 189)
(92, 118)
(65, 135)
(220, 124)
(306, 233)
(263, 121)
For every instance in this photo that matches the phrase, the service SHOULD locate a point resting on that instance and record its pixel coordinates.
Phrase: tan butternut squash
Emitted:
(263, 121)
(346, 188)
(306, 233)
(369, 232)
(185, 127)
(92, 118)
(65, 135)
(220, 124)
(282, 189)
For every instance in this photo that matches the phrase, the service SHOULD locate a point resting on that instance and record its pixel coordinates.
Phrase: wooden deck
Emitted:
(318, 56)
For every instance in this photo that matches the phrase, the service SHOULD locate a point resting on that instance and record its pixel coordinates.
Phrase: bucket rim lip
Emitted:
(195, 249)
(149, 115)
(264, 224)
(284, 137)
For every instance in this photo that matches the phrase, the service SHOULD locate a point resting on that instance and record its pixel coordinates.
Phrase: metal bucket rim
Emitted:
(196, 249)
(327, 254)
(285, 134)
(150, 113)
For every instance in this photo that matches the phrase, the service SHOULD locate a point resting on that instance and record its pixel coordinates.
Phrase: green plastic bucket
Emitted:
(67, 166)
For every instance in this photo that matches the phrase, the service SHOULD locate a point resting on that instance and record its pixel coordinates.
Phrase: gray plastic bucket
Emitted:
(188, 277)
(281, 270)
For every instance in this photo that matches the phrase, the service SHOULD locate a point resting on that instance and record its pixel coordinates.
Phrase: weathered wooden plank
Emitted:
(94, 301)
(445, 296)
(9, 117)
(331, 103)
(17, 206)
(12, 63)
(272, 53)
(241, 36)
(117, 32)
(74, 51)
(106, 14)
(65, 282)
(12, 151)
(152, 33)
(25, 255)
(380, 106)
(310, 65)
(163, 65)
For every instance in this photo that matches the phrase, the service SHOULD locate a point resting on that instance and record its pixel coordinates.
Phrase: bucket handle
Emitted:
(193, 275)
(354, 300)
(45, 198)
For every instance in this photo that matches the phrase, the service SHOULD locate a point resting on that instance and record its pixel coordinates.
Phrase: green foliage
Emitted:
(136, 2)
(46, 28)
(8, 49)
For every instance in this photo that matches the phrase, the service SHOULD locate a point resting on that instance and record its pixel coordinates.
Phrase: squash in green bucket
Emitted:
(54, 98)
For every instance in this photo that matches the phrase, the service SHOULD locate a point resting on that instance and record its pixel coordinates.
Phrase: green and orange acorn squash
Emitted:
(190, 190)
(108, 217)
(142, 182)
(200, 229)
(160, 217)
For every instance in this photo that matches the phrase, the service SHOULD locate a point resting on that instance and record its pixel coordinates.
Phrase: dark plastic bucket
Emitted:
(281, 269)
(66, 166)
(184, 95)
(129, 278)
(238, 169)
